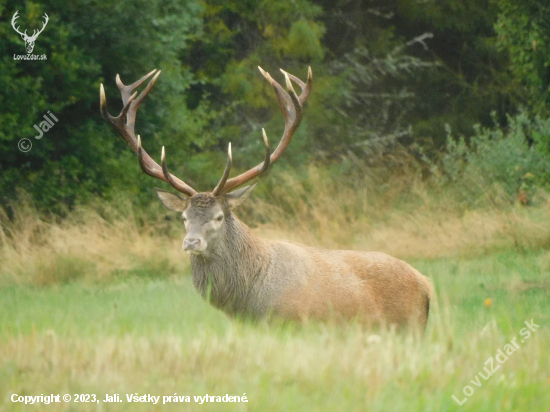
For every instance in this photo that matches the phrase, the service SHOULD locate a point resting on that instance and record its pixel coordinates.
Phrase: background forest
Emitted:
(442, 87)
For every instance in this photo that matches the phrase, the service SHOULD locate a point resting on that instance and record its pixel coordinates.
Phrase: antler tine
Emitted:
(306, 87)
(118, 122)
(124, 124)
(169, 176)
(131, 119)
(126, 91)
(285, 102)
(218, 189)
(267, 159)
(291, 106)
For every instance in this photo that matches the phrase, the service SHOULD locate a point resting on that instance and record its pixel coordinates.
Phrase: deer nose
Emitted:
(191, 244)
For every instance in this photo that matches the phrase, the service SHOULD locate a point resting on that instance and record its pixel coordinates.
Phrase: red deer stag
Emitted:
(246, 275)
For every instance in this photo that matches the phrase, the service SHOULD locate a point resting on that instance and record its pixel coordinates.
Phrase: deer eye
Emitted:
(219, 218)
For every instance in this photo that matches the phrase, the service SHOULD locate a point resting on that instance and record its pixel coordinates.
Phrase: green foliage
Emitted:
(370, 106)
(473, 80)
(523, 30)
(512, 160)
(85, 43)
(304, 41)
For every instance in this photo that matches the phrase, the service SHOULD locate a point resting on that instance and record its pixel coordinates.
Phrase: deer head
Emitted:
(207, 216)
(207, 219)
(29, 40)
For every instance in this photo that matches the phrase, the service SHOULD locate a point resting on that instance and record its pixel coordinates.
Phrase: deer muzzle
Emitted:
(194, 245)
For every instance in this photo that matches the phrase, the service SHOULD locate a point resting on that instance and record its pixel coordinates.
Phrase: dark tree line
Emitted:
(387, 73)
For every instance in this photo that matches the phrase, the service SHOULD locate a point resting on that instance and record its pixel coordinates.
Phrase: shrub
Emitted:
(499, 164)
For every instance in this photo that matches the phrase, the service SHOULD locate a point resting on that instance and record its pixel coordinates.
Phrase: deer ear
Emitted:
(238, 196)
(171, 201)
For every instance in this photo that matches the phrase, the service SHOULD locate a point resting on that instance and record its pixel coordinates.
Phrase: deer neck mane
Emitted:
(233, 268)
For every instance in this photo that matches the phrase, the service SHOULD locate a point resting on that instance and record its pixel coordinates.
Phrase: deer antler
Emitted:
(124, 123)
(291, 106)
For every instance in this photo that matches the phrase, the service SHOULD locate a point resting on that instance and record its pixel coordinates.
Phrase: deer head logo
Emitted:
(29, 40)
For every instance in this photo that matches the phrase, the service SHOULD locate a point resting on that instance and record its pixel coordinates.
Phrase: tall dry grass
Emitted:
(396, 212)
(91, 243)
(404, 215)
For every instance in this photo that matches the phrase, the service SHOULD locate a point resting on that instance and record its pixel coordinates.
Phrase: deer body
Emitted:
(246, 275)
(257, 277)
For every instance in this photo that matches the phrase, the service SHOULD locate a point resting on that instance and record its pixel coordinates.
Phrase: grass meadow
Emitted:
(102, 302)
